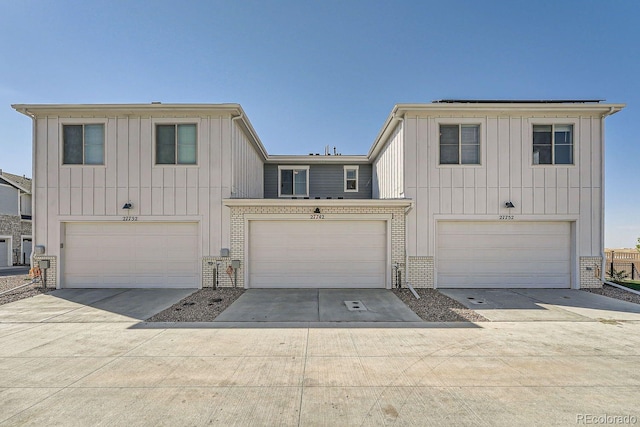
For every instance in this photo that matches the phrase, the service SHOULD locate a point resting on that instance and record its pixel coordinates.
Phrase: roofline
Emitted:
(496, 106)
(234, 110)
(318, 202)
(15, 184)
(316, 159)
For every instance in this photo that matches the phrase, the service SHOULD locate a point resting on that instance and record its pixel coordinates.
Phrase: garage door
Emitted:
(317, 254)
(4, 252)
(495, 255)
(131, 255)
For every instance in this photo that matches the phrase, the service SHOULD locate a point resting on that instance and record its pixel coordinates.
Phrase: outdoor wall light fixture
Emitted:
(317, 210)
(127, 205)
(509, 205)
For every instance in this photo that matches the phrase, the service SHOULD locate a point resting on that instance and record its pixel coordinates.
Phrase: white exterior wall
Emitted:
(248, 167)
(539, 192)
(388, 171)
(66, 193)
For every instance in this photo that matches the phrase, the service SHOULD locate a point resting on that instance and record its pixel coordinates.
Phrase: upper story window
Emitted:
(553, 144)
(351, 178)
(176, 144)
(460, 144)
(293, 181)
(83, 144)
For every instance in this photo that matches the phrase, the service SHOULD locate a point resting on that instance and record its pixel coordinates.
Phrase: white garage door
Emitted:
(504, 255)
(131, 255)
(317, 254)
(4, 252)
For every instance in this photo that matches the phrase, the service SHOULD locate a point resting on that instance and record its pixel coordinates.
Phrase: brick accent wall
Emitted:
(209, 264)
(590, 278)
(421, 271)
(51, 272)
(238, 232)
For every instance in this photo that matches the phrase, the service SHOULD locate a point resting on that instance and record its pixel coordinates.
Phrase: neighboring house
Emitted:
(15, 219)
(451, 194)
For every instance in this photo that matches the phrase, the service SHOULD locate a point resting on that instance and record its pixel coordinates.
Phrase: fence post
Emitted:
(612, 257)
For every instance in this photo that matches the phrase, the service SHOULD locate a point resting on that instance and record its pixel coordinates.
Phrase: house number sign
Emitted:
(505, 217)
(129, 218)
(317, 216)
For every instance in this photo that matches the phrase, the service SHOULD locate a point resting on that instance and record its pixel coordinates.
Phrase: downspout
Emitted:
(406, 253)
(34, 129)
(233, 181)
(602, 210)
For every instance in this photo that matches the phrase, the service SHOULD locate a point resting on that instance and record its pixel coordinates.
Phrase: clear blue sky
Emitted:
(312, 73)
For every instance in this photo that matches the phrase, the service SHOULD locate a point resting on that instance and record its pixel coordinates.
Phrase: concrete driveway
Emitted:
(516, 305)
(58, 367)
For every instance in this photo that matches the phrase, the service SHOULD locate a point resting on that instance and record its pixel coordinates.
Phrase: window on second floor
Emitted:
(351, 178)
(553, 144)
(459, 144)
(83, 144)
(176, 144)
(293, 181)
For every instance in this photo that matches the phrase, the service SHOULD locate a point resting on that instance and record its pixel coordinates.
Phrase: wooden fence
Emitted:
(623, 260)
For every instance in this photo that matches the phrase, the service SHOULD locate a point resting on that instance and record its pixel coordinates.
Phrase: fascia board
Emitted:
(44, 109)
(313, 159)
(319, 202)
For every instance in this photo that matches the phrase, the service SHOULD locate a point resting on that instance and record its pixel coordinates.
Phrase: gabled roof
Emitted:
(234, 110)
(21, 182)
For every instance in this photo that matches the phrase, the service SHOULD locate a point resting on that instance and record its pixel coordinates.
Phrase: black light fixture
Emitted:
(127, 205)
(317, 210)
(509, 205)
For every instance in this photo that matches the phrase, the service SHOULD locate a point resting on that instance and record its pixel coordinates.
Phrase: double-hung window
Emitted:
(83, 144)
(176, 144)
(459, 144)
(553, 144)
(351, 178)
(293, 181)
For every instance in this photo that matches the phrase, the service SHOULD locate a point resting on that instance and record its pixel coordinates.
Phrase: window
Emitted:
(176, 144)
(351, 178)
(459, 144)
(83, 144)
(552, 144)
(293, 181)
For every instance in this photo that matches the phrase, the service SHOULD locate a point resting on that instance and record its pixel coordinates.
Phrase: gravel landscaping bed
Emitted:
(201, 306)
(613, 292)
(10, 282)
(434, 306)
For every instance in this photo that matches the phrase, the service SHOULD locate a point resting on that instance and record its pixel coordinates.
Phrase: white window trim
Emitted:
(292, 167)
(84, 121)
(348, 168)
(461, 122)
(175, 121)
(554, 123)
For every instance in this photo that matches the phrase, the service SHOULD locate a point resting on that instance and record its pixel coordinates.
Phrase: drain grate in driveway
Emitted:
(472, 300)
(355, 306)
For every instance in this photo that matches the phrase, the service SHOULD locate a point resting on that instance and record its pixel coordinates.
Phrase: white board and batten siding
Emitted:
(570, 195)
(158, 193)
(317, 254)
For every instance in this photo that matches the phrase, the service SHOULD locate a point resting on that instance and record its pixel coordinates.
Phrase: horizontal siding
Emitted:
(325, 180)
(248, 176)
(9, 200)
(388, 168)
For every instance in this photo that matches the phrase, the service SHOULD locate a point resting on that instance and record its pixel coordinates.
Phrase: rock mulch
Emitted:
(613, 292)
(201, 306)
(7, 283)
(434, 306)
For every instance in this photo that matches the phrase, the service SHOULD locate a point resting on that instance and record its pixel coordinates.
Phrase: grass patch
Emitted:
(631, 284)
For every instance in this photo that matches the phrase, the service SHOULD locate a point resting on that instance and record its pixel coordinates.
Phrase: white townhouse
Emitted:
(451, 194)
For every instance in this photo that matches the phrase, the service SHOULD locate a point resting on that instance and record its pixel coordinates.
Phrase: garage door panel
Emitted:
(131, 255)
(518, 254)
(334, 253)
